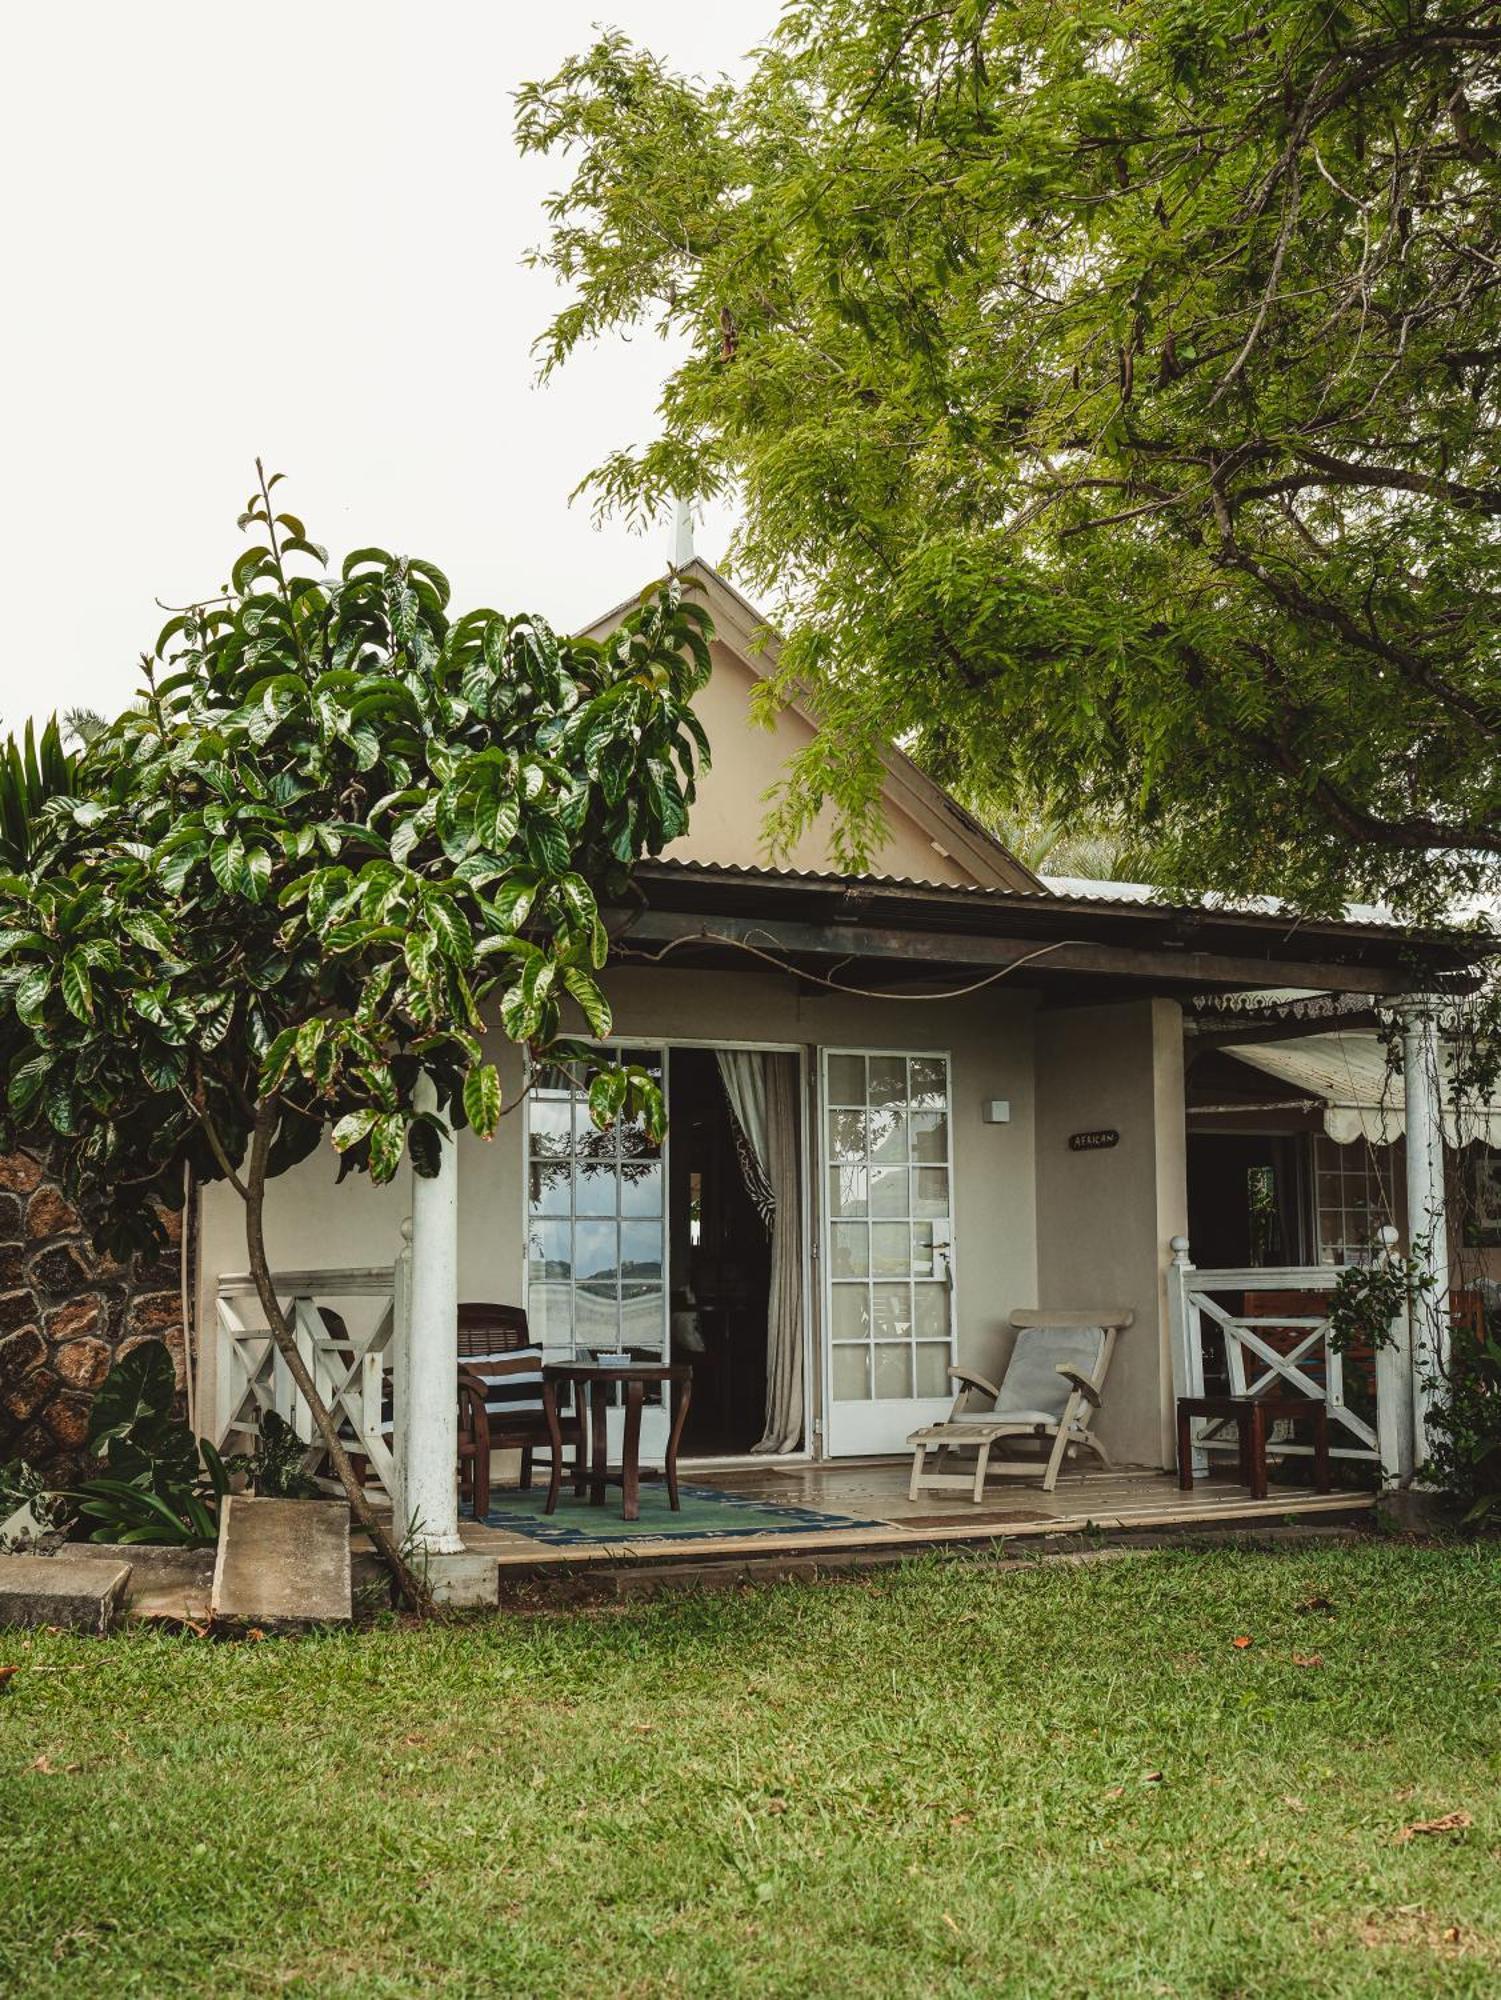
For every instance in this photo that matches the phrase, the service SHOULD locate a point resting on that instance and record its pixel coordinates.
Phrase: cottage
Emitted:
(901, 1104)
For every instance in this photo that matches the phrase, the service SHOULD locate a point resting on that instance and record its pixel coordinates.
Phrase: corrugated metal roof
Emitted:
(1262, 911)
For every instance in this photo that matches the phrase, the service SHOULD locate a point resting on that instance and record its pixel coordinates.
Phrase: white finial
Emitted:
(680, 535)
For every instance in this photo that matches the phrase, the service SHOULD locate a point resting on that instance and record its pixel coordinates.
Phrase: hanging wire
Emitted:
(835, 986)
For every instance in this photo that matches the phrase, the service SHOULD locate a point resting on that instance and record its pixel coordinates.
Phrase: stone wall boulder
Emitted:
(65, 1313)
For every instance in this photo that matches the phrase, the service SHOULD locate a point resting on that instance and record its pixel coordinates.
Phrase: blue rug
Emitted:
(706, 1514)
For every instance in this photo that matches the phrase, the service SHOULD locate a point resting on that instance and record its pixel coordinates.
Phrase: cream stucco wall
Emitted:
(1105, 1218)
(312, 1224)
(749, 761)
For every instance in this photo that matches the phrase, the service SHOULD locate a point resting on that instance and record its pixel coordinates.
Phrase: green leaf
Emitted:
(162, 1065)
(347, 937)
(77, 988)
(482, 1099)
(387, 1143)
(426, 1149)
(596, 1009)
(26, 1083)
(148, 929)
(606, 1096)
(512, 903)
(309, 1040)
(452, 932)
(32, 992)
(227, 860)
(547, 844)
(352, 1127)
(255, 874)
(278, 1059)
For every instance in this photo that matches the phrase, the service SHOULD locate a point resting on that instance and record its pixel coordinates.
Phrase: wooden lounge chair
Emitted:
(1052, 1386)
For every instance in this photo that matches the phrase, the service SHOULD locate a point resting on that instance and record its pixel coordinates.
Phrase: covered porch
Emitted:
(1041, 1042)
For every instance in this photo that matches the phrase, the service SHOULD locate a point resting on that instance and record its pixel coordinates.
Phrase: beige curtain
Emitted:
(762, 1092)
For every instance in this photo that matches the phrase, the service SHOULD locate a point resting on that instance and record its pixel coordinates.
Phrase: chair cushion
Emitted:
(980, 1418)
(513, 1381)
(1032, 1381)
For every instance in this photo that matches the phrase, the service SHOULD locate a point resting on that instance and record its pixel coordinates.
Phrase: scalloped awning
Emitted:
(1362, 1094)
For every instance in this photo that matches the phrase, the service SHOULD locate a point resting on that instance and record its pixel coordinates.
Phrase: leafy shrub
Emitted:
(1464, 1427)
(22, 1487)
(160, 1483)
(275, 1466)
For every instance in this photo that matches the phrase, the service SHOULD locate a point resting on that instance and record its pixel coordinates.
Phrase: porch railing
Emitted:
(1265, 1351)
(353, 1369)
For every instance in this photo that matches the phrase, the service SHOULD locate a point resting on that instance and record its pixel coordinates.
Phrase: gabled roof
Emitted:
(953, 832)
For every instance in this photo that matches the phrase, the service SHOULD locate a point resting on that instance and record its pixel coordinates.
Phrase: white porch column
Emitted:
(1394, 1382)
(429, 1452)
(1427, 1218)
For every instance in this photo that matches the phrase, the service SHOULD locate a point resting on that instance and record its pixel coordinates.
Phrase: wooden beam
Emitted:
(784, 940)
(1202, 1038)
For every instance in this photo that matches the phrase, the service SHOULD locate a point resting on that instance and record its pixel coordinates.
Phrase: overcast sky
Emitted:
(294, 229)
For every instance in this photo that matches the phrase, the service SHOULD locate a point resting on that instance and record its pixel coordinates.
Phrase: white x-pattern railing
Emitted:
(352, 1371)
(1308, 1366)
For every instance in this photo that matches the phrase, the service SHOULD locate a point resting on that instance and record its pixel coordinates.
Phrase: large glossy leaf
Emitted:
(595, 1007)
(482, 1099)
(138, 1392)
(387, 1142)
(148, 929)
(77, 987)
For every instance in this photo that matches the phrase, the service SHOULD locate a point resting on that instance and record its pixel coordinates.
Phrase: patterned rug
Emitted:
(706, 1513)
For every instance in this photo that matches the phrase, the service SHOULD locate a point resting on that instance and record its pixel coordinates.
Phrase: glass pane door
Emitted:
(596, 1236)
(595, 1232)
(888, 1246)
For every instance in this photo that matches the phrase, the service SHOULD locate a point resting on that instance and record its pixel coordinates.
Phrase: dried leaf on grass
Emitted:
(1449, 1822)
(7, 1675)
(1308, 1659)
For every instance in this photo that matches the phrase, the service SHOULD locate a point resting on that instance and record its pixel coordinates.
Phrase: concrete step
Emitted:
(80, 1593)
(283, 1565)
(165, 1582)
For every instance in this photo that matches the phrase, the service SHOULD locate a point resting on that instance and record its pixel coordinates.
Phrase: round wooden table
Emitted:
(592, 1381)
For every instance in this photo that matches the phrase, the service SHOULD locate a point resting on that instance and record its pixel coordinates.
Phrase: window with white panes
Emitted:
(1356, 1188)
(595, 1228)
(889, 1198)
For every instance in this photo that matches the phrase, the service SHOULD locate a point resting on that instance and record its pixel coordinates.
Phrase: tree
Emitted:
(1111, 396)
(341, 833)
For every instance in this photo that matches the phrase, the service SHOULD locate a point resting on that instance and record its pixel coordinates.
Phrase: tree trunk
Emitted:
(411, 1590)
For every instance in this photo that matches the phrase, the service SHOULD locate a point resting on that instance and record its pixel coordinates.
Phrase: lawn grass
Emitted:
(941, 1780)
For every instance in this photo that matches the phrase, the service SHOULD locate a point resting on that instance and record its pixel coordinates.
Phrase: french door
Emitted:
(888, 1244)
(596, 1237)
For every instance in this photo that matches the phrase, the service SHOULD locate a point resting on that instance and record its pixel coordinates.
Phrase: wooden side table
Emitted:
(591, 1380)
(1250, 1414)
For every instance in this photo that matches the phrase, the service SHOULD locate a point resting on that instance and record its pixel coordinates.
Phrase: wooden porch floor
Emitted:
(1120, 1502)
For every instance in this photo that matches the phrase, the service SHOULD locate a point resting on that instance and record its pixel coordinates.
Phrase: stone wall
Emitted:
(65, 1313)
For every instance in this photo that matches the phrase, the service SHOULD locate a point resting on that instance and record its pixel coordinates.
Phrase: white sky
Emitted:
(295, 230)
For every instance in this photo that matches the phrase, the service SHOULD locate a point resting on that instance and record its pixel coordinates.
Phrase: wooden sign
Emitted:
(1093, 1142)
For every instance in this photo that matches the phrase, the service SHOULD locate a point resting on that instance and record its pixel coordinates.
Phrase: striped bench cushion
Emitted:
(513, 1381)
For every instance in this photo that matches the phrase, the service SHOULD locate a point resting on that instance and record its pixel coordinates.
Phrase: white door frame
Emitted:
(942, 1405)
